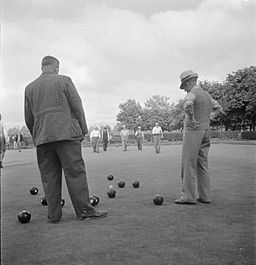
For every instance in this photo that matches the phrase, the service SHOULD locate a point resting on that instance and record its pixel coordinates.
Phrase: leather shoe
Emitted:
(54, 222)
(96, 214)
(181, 201)
(202, 201)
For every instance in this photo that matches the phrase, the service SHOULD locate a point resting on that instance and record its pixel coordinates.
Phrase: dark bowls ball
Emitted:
(43, 201)
(24, 216)
(110, 177)
(121, 184)
(158, 200)
(92, 201)
(34, 190)
(97, 199)
(136, 184)
(62, 202)
(111, 193)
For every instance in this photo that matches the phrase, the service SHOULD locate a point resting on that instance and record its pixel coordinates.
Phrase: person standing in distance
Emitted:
(139, 138)
(198, 106)
(55, 118)
(105, 138)
(157, 135)
(2, 142)
(95, 139)
(124, 136)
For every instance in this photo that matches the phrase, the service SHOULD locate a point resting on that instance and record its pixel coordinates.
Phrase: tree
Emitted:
(177, 116)
(217, 90)
(158, 109)
(240, 98)
(130, 114)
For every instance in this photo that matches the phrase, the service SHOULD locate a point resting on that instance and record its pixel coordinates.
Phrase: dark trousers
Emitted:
(105, 145)
(139, 143)
(52, 158)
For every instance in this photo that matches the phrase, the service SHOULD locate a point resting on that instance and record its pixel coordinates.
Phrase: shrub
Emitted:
(248, 135)
(173, 136)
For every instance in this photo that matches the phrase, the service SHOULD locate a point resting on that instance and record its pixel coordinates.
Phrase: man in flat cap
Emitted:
(198, 106)
(55, 118)
(105, 138)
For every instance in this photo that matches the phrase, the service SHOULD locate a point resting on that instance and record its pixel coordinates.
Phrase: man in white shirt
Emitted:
(124, 136)
(157, 134)
(95, 139)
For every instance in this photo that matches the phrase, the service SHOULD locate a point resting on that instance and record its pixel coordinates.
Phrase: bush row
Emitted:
(178, 136)
(168, 136)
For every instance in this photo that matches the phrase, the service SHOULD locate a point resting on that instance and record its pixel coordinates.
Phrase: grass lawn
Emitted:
(135, 232)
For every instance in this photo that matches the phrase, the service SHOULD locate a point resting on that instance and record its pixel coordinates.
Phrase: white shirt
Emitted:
(95, 133)
(157, 130)
(124, 134)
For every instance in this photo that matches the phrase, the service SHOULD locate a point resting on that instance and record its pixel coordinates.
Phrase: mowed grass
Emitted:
(135, 230)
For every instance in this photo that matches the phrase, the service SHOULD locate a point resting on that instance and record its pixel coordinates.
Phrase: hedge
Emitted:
(167, 136)
(178, 136)
(249, 135)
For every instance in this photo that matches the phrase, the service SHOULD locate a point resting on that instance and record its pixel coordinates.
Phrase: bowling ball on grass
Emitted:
(24, 216)
(97, 199)
(111, 193)
(110, 177)
(136, 184)
(62, 202)
(43, 201)
(121, 184)
(92, 201)
(34, 190)
(158, 200)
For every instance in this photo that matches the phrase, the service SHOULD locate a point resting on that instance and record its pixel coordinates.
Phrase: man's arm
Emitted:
(29, 118)
(216, 109)
(189, 105)
(76, 104)
(189, 108)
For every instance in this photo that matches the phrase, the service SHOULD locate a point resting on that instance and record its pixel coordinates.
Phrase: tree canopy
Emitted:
(237, 95)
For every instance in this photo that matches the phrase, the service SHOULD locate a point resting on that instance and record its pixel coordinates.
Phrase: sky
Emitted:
(115, 50)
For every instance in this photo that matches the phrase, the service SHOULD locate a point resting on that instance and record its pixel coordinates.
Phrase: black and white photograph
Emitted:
(128, 132)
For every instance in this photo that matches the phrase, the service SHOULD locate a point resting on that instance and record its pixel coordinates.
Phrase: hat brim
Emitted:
(194, 75)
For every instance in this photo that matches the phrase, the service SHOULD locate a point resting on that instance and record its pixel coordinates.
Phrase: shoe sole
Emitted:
(100, 216)
(188, 203)
(53, 222)
(206, 202)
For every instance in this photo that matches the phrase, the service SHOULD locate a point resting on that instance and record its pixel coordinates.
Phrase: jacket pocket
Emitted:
(76, 130)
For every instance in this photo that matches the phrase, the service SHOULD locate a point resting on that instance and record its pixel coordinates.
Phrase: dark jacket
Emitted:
(53, 110)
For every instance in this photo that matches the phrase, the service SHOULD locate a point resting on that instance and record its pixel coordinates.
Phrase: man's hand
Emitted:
(193, 123)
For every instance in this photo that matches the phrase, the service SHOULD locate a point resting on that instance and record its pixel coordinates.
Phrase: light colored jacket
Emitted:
(124, 134)
(199, 104)
(53, 110)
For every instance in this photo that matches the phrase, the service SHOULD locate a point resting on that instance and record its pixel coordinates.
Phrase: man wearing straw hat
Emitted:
(198, 106)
